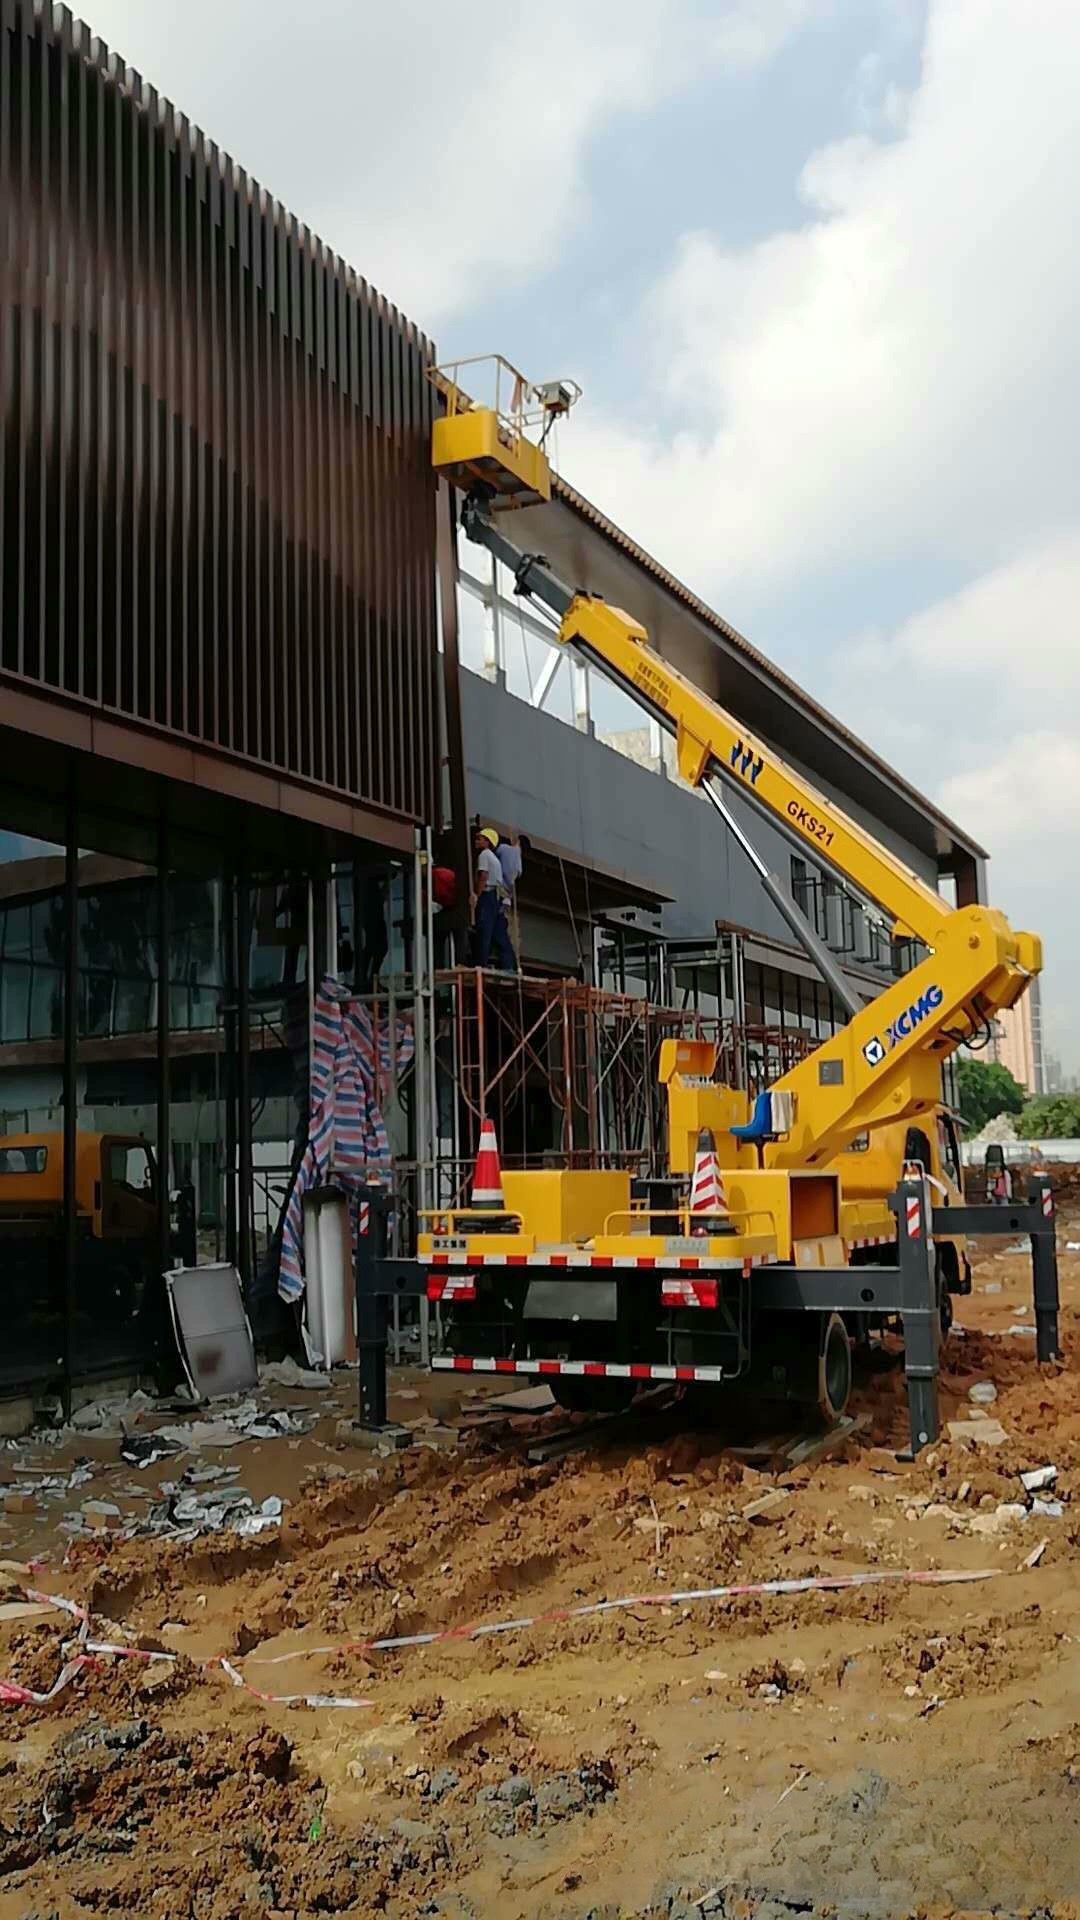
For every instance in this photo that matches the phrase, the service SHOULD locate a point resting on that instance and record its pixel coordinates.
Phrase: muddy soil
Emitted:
(881, 1750)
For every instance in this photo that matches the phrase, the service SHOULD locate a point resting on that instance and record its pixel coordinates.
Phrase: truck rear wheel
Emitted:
(801, 1359)
(834, 1369)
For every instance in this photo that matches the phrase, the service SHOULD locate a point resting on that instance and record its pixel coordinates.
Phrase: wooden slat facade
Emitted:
(217, 515)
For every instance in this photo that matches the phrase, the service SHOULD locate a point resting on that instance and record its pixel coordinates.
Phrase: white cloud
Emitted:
(890, 393)
(978, 697)
(894, 378)
(442, 151)
(1025, 803)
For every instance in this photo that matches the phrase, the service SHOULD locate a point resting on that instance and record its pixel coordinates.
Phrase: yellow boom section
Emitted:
(711, 740)
(885, 1065)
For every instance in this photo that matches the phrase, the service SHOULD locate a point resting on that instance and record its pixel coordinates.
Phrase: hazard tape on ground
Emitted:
(91, 1652)
(813, 1583)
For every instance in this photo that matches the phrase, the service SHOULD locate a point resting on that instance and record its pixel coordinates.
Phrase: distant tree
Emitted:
(985, 1089)
(1053, 1116)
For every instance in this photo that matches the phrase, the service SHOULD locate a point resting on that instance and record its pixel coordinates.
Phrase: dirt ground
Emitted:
(884, 1750)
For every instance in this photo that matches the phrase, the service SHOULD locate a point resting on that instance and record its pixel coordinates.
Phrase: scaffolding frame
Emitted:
(568, 1072)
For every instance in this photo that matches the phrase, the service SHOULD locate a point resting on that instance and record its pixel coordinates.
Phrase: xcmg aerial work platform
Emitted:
(602, 1284)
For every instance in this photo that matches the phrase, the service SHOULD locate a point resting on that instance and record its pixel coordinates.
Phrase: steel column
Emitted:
(243, 1073)
(71, 1089)
(919, 1308)
(163, 1116)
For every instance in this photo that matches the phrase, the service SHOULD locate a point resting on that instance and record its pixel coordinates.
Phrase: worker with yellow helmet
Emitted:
(491, 933)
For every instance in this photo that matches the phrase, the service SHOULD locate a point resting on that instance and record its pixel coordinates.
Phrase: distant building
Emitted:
(1018, 1041)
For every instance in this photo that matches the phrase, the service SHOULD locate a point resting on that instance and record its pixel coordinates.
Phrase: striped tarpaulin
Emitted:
(347, 1137)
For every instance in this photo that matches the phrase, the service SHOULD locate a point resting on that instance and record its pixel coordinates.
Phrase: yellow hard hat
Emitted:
(489, 834)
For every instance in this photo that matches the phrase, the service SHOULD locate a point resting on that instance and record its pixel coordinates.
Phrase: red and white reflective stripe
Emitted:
(874, 1240)
(914, 1217)
(1048, 1202)
(649, 1262)
(451, 1286)
(581, 1369)
(690, 1293)
(707, 1191)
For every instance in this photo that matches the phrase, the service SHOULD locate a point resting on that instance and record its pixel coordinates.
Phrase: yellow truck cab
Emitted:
(115, 1195)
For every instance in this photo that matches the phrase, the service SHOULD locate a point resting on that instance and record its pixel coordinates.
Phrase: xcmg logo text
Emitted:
(904, 1025)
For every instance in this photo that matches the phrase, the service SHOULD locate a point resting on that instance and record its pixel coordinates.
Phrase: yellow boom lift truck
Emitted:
(578, 1280)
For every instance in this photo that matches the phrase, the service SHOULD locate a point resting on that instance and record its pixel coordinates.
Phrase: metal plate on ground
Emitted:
(212, 1330)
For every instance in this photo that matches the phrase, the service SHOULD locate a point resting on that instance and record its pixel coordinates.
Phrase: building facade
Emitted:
(249, 694)
(219, 684)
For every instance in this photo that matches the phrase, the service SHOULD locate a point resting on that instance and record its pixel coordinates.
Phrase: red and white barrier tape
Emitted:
(813, 1583)
(91, 1651)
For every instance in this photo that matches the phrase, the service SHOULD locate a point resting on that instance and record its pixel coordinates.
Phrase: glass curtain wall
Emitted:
(156, 991)
(154, 1058)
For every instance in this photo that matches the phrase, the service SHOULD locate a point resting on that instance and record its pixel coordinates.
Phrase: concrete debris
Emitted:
(265, 1517)
(977, 1433)
(50, 1486)
(146, 1449)
(983, 1393)
(111, 1414)
(997, 1521)
(287, 1373)
(229, 1427)
(1048, 1509)
(440, 1783)
(20, 1500)
(766, 1503)
(1038, 1479)
(182, 1515)
(102, 1516)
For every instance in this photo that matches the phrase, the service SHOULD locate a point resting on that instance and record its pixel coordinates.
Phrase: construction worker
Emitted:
(511, 851)
(491, 933)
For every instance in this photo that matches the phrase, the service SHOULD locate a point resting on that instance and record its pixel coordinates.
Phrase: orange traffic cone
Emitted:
(706, 1188)
(487, 1189)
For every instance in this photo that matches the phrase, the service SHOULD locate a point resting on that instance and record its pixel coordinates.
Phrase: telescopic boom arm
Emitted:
(885, 1064)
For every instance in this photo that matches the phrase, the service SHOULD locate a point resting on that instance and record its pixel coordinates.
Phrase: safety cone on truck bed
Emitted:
(706, 1187)
(487, 1188)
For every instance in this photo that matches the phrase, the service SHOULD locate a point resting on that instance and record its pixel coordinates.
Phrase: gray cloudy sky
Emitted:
(814, 263)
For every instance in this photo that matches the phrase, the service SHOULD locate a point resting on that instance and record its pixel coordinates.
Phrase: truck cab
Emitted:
(115, 1183)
